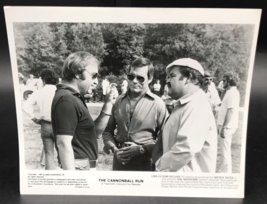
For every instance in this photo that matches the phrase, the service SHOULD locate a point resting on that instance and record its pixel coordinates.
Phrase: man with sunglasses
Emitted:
(74, 129)
(211, 92)
(138, 116)
(189, 137)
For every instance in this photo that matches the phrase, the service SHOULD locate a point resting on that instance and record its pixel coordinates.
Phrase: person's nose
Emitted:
(135, 80)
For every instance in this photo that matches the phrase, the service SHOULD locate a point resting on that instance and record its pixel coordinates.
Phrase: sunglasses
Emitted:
(94, 75)
(208, 79)
(131, 77)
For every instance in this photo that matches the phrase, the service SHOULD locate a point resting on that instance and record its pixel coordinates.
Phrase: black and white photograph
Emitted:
(222, 52)
(137, 96)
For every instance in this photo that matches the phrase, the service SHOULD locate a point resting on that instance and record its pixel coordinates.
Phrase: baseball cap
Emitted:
(186, 62)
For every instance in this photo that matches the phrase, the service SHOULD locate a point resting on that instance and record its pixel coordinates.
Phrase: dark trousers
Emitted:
(138, 163)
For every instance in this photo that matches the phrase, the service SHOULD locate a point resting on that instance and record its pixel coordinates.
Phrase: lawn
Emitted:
(33, 144)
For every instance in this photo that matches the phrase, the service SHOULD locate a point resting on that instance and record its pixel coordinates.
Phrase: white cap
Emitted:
(186, 62)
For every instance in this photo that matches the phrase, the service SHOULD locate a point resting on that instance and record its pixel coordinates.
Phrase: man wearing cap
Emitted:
(211, 92)
(189, 137)
(137, 117)
(228, 120)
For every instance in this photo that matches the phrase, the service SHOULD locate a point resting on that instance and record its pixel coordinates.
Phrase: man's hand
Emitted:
(112, 94)
(222, 133)
(120, 158)
(109, 150)
(131, 151)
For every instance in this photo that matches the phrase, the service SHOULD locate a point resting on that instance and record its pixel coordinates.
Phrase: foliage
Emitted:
(219, 48)
(124, 43)
(46, 45)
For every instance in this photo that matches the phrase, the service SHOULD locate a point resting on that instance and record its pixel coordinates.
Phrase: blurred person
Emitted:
(75, 131)
(43, 99)
(157, 87)
(137, 116)
(211, 92)
(228, 120)
(189, 139)
(30, 79)
(221, 90)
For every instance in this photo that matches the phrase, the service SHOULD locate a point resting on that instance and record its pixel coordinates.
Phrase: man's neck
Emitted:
(192, 89)
(71, 84)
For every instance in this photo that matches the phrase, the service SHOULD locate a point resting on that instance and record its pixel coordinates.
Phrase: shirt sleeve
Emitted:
(190, 139)
(66, 118)
(162, 115)
(233, 101)
(108, 134)
(28, 106)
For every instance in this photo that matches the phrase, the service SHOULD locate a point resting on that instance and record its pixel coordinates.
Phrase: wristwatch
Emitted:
(142, 150)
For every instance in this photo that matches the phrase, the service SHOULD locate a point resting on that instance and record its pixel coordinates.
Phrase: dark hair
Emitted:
(76, 63)
(141, 62)
(49, 76)
(232, 78)
(195, 76)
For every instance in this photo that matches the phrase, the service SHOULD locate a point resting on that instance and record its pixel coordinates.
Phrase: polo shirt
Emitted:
(70, 116)
(189, 137)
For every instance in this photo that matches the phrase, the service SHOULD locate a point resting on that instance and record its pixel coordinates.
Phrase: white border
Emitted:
(152, 186)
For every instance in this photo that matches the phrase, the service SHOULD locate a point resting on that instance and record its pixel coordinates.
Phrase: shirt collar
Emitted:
(148, 93)
(187, 98)
(64, 86)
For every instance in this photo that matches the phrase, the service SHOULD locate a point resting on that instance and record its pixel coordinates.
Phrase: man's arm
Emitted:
(228, 116)
(108, 134)
(102, 120)
(65, 151)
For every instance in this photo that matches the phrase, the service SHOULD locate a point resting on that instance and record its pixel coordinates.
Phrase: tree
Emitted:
(124, 43)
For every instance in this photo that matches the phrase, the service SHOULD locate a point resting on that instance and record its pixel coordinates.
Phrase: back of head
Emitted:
(75, 64)
(232, 79)
(49, 76)
(142, 62)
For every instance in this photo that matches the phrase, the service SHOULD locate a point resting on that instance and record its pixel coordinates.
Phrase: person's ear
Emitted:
(80, 76)
(150, 80)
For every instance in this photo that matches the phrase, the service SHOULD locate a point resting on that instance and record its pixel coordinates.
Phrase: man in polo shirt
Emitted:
(189, 137)
(138, 116)
(228, 120)
(75, 131)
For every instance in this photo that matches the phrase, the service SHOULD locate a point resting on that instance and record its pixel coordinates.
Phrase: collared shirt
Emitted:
(231, 100)
(70, 116)
(43, 99)
(189, 137)
(147, 120)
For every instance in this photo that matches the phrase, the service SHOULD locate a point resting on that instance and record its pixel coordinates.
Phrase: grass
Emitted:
(33, 145)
